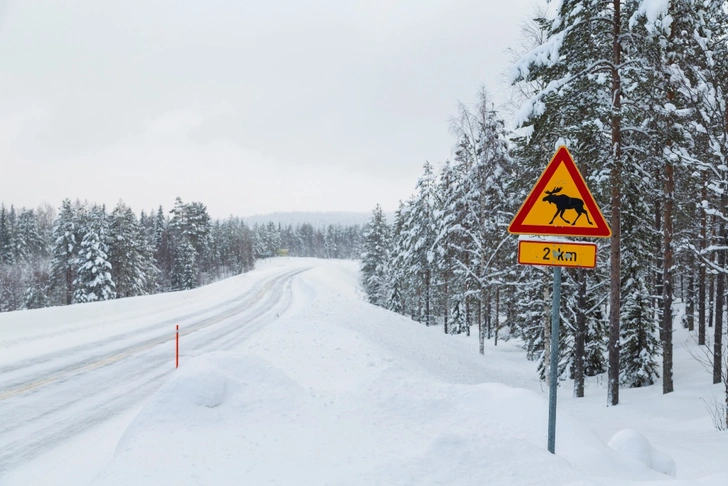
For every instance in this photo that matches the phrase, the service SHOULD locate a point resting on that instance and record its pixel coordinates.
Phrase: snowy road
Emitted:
(93, 364)
(288, 376)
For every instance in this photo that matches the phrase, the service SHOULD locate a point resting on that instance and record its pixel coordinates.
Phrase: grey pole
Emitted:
(555, 305)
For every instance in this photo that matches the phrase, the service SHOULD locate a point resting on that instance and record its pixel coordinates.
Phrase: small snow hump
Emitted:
(632, 443)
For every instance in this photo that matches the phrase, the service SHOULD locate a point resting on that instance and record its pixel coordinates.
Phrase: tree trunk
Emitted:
(580, 336)
(488, 322)
(719, 298)
(659, 261)
(616, 207)
(701, 304)
(726, 395)
(497, 314)
(427, 298)
(447, 306)
(481, 326)
(467, 316)
(510, 310)
(711, 277)
(667, 384)
(481, 337)
(711, 297)
(69, 287)
(480, 317)
(701, 274)
(691, 295)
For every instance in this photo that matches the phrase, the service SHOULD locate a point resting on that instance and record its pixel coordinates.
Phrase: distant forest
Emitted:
(83, 253)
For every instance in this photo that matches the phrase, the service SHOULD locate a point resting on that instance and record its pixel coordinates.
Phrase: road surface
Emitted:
(107, 367)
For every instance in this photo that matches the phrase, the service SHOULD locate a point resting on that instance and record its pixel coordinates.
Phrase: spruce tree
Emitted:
(444, 247)
(420, 240)
(93, 276)
(582, 68)
(29, 241)
(639, 344)
(6, 250)
(397, 273)
(64, 252)
(132, 266)
(375, 258)
(185, 270)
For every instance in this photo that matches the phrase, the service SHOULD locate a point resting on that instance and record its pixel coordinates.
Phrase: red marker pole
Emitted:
(177, 350)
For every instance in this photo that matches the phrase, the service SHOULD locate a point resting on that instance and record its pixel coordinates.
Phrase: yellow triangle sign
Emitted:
(560, 204)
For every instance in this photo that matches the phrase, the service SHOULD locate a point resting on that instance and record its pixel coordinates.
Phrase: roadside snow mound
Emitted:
(632, 443)
(229, 419)
(339, 392)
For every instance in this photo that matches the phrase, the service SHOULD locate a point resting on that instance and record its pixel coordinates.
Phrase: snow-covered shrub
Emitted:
(631, 443)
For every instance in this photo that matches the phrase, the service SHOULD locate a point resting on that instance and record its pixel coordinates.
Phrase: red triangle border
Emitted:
(600, 228)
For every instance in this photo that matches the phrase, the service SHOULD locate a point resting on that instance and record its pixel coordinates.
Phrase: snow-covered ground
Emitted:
(288, 377)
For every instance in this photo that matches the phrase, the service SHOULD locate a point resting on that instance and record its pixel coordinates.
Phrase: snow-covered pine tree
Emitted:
(375, 259)
(640, 346)
(38, 290)
(494, 173)
(6, 250)
(420, 239)
(243, 246)
(581, 65)
(162, 250)
(700, 72)
(184, 270)
(465, 206)
(217, 261)
(93, 280)
(595, 343)
(457, 316)
(11, 287)
(189, 225)
(259, 241)
(272, 239)
(330, 246)
(64, 252)
(483, 206)
(444, 246)
(132, 267)
(198, 226)
(12, 222)
(658, 47)
(397, 274)
(29, 241)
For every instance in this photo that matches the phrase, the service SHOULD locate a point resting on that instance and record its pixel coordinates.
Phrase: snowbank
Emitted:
(340, 392)
(632, 443)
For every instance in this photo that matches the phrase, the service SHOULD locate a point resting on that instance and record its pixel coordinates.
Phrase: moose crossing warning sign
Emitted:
(560, 204)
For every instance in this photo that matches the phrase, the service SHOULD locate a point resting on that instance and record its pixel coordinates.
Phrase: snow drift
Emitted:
(339, 392)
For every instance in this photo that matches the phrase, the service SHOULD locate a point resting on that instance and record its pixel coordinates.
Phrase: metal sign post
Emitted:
(554, 372)
(561, 186)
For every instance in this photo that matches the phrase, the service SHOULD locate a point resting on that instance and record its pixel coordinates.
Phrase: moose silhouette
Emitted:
(564, 202)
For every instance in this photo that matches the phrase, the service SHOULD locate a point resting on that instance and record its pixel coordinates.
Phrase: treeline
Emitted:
(87, 254)
(639, 96)
(332, 241)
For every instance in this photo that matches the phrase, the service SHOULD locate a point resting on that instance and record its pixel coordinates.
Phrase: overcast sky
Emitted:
(247, 106)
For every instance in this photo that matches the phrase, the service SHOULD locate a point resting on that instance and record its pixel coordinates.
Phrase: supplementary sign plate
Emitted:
(557, 253)
(560, 204)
